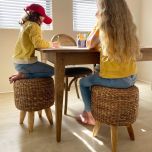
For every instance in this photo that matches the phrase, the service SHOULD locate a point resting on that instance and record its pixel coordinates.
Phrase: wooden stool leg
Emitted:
(66, 96)
(131, 132)
(76, 87)
(22, 116)
(49, 115)
(40, 113)
(96, 128)
(30, 121)
(114, 138)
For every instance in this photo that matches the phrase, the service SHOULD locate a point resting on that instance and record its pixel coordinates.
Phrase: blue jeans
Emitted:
(95, 79)
(35, 70)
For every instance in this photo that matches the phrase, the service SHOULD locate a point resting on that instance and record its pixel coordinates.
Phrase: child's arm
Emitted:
(36, 38)
(93, 38)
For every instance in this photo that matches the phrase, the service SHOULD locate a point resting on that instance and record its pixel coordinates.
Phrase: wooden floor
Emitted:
(75, 137)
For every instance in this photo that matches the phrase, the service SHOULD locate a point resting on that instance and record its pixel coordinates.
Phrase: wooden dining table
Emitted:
(64, 56)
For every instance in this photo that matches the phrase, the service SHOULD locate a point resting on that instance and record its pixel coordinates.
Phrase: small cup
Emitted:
(81, 40)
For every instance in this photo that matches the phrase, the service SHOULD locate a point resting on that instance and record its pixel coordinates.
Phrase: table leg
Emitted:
(59, 89)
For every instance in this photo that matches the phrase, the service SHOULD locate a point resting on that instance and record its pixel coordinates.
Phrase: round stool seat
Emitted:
(113, 106)
(34, 94)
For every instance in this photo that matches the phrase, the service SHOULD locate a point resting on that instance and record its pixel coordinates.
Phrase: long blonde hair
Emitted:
(117, 30)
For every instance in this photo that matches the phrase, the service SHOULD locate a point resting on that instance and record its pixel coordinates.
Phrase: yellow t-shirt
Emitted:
(113, 69)
(29, 39)
(108, 68)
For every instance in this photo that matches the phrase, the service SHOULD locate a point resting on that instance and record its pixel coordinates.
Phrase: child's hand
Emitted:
(55, 44)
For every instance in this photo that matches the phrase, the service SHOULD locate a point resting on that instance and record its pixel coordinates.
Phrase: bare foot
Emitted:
(12, 76)
(18, 76)
(86, 118)
(91, 120)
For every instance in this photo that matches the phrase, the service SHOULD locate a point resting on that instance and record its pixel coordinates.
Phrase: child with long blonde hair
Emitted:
(115, 37)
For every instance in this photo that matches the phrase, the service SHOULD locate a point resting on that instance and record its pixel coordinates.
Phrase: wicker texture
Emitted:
(34, 94)
(115, 106)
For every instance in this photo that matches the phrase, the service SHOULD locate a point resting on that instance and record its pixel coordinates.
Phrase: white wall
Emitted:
(145, 72)
(135, 7)
(146, 22)
(62, 18)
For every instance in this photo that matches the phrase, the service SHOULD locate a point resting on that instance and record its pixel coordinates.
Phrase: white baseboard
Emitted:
(148, 82)
(6, 92)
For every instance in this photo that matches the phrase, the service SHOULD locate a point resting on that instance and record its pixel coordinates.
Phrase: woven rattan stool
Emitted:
(114, 107)
(34, 95)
